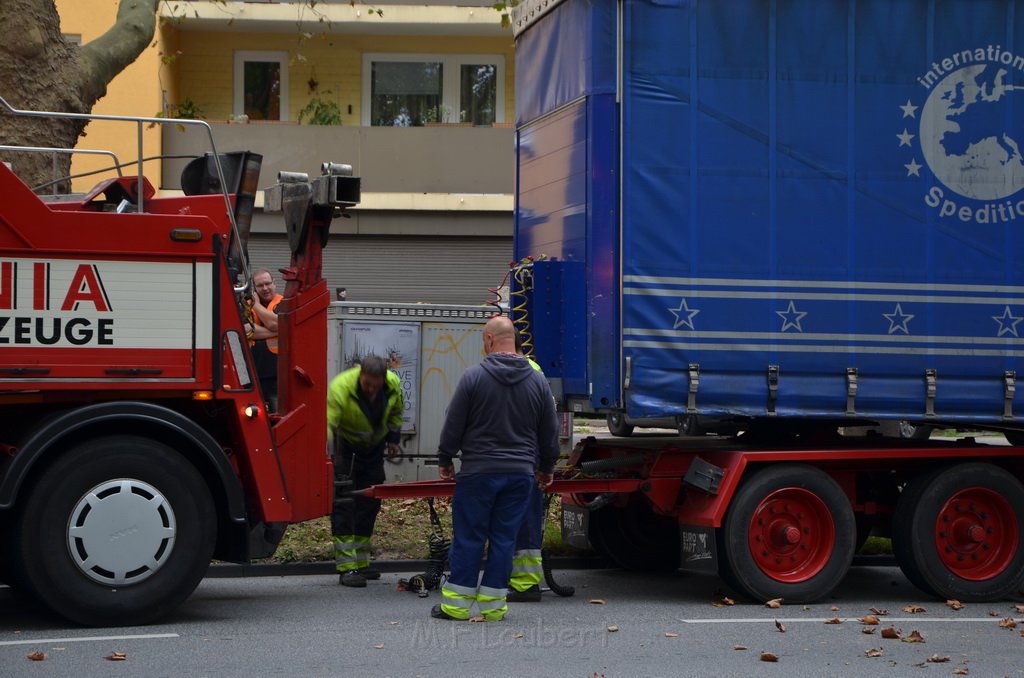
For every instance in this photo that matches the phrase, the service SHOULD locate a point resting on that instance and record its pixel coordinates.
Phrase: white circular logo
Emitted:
(972, 132)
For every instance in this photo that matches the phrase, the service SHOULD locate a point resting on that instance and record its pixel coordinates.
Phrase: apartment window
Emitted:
(261, 85)
(405, 90)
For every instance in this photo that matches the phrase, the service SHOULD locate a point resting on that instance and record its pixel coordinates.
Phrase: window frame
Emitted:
(240, 58)
(452, 64)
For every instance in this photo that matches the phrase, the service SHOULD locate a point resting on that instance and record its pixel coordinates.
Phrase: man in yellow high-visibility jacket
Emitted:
(364, 416)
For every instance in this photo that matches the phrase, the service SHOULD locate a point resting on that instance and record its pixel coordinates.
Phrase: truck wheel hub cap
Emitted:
(121, 532)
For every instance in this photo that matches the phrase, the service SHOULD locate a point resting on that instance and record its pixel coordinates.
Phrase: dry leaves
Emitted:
(671, 634)
(517, 635)
(393, 622)
(613, 629)
(892, 633)
(379, 646)
(954, 605)
(868, 629)
(834, 620)
(914, 609)
(1007, 623)
(598, 601)
(938, 659)
(993, 613)
(780, 626)
(478, 618)
(724, 602)
(774, 603)
(116, 656)
(914, 637)
(960, 671)
(870, 620)
(769, 657)
(37, 656)
(874, 652)
(739, 647)
(1019, 608)
(878, 613)
(834, 608)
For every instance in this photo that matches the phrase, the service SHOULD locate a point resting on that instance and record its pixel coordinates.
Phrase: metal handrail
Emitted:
(140, 121)
(65, 151)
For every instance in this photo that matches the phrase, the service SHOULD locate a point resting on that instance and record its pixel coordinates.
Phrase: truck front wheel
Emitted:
(959, 533)
(789, 533)
(117, 531)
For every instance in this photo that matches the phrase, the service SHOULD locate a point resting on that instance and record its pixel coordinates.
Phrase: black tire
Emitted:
(635, 538)
(961, 533)
(800, 519)
(617, 425)
(902, 529)
(140, 490)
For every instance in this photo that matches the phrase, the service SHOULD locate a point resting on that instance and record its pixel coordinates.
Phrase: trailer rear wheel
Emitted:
(118, 531)
(959, 533)
(617, 425)
(789, 533)
(635, 538)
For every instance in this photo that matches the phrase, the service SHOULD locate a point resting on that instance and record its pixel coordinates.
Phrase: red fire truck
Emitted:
(135, 443)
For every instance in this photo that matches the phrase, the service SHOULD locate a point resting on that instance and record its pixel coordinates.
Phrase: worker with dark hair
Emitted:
(364, 417)
(501, 419)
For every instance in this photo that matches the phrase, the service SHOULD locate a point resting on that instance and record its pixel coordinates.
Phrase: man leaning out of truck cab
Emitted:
(364, 417)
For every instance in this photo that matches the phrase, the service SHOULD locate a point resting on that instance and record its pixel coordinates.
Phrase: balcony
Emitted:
(407, 160)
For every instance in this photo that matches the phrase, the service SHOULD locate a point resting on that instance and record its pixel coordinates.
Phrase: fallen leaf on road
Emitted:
(739, 647)
(116, 656)
(774, 603)
(914, 637)
(393, 622)
(806, 608)
(877, 612)
(954, 604)
(517, 635)
(379, 646)
(780, 626)
(37, 656)
(769, 657)
(834, 620)
(1007, 623)
(993, 613)
(478, 618)
(726, 600)
(613, 629)
(671, 634)
(834, 608)
(938, 659)
(960, 671)
(874, 652)
(914, 609)
(870, 620)
(868, 629)
(598, 601)
(1019, 608)
(891, 633)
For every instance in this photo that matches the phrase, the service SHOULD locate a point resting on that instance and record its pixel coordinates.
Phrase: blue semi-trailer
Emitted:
(796, 217)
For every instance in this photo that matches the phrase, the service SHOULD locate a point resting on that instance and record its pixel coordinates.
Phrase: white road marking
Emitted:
(87, 639)
(882, 621)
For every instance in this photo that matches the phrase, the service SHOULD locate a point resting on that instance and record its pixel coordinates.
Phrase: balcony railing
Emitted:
(472, 160)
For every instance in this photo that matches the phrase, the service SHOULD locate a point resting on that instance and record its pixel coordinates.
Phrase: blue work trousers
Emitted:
(486, 507)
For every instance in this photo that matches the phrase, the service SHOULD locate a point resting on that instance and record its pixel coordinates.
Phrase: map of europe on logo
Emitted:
(972, 132)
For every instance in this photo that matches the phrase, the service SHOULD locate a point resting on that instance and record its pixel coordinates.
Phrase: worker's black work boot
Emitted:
(530, 595)
(369, 572)
(437, 613)
(352, 578)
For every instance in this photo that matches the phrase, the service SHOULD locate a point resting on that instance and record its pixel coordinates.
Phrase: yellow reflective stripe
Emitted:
(492, 603)
(351, 552)
(457, 600)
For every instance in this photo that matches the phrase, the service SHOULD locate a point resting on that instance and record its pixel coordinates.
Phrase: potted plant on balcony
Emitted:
(320, 112)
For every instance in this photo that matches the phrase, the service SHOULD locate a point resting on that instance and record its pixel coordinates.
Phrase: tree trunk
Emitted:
(41, 71)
